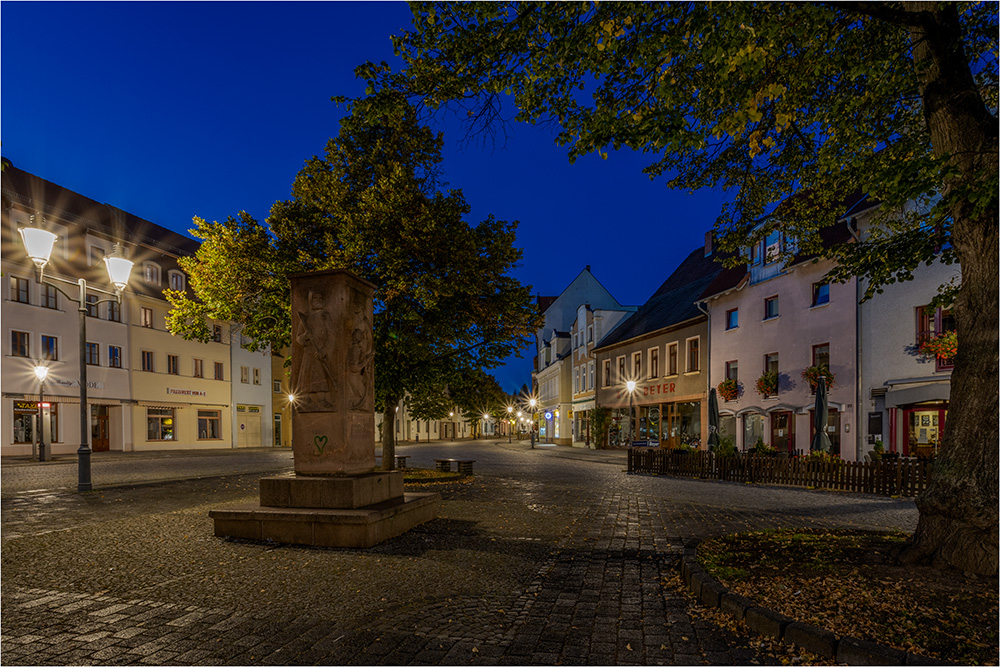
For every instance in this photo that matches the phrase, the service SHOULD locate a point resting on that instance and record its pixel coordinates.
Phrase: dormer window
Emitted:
(772, 247)
(176, 280)
(151, 273)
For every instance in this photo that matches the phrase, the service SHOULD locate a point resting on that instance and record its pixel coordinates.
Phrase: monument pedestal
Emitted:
(357, 511)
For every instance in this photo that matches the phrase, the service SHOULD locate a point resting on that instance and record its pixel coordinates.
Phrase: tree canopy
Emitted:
(766, 101)
(445, 304)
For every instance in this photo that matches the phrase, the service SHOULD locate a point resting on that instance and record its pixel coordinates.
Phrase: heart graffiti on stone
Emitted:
(320, 442)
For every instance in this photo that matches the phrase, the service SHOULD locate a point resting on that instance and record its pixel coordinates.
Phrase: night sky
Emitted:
(176, 110)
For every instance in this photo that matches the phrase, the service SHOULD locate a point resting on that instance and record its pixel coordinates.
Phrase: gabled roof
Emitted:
(674, 301)
(544, 302)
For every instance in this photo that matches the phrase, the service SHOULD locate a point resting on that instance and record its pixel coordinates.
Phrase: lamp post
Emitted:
(41, 372)
(532, 403)
(38, 245)
(510, 422)
(630, 385)
(451, 420)
(486, 423)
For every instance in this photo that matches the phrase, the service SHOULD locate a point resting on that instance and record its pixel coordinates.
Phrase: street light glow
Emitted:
(38, 244)
(630, 385)
(41, 372)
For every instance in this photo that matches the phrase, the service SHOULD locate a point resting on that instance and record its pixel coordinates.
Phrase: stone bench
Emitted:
(464, 465)
(400, 461)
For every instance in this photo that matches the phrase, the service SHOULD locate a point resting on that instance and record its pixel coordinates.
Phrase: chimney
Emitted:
(708, 244)
(588, 268)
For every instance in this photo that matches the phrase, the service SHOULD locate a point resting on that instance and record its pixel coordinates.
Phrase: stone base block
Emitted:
(358, 528)
(340, 492)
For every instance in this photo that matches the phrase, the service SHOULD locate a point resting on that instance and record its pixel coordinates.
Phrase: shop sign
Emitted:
(25, 406)
(91, 384)
(186, 392)
(252, 409)
(651, 390)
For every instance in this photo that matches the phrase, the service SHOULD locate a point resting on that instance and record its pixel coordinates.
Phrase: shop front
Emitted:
(917, 418)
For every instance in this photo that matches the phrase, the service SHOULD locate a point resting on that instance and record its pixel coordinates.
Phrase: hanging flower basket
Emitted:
(767, 384)
(730, 389)
(812, 374)
(943, 346)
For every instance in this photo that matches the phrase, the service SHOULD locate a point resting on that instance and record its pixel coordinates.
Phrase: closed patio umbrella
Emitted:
(713, 420)
(821, 441)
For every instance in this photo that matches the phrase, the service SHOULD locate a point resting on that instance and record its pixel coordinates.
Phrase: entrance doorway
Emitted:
(277, 430)
(783, 431)
(924, 426)
(100, 432)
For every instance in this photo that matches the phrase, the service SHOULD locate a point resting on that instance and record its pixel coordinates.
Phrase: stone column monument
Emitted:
(335, 497)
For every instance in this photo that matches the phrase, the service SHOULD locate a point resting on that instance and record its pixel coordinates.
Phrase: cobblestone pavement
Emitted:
(545, 557)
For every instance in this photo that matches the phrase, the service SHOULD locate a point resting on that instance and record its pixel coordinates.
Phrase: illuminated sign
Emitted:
(186, 392)
(548, 415)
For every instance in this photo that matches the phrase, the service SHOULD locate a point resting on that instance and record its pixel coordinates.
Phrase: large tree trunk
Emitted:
(389, 435)
(958, 512)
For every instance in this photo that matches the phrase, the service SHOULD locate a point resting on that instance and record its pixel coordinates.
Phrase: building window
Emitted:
(96, 255)
(732, 370)
(91, 305)
(24, 426)
(576, 379)
(820, 294)
(50, 348)
(19, 344)
(177, 281)
(693, 358)
(821, 355)
(621, 369)
(772, 247)
(217, 333)
(114, 356)
(256, 376)
(590, 334)
(654, 362)
(932, 324)
(732, 318)
(159, 424)
(672, 359)
(637, 366)
(147, 360)
(219, 371)
(146, 318)
(590, 370)
(114, 311)
(151, 273)
(199, 369)
(49, 297)
(173, 364)
(209, 424)
(244, 375)
(771, 363)
(93, 354)
(770, 307)
(277, 386)
(18, 289)
(606, 370)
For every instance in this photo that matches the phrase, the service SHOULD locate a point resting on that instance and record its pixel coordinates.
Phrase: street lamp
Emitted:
(485, 423)
(532, 403)
(41, 372)
(510, 422)
(630, 385)
(38, 244)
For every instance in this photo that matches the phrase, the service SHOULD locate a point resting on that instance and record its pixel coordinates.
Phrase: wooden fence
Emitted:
(904, 477)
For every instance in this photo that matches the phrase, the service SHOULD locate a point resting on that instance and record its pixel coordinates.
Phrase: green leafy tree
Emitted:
(764, 101)
(445, 306)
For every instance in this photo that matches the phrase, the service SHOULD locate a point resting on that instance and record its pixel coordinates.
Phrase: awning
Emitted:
(938, 391)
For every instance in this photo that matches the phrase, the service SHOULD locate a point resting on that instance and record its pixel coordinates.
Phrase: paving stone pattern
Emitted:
(572, 556)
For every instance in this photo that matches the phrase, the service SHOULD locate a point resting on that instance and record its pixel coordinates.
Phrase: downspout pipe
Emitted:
(859, 444)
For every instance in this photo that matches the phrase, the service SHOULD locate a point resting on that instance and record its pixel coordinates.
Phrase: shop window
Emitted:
(24, 425)
(159, 424)
(753, 430)
(50, 348)
(19, 344)
(18, 289)
(114, 356)
(147, 360)
(693, 358)
(732, 318)
(820, 294)
(770, 307)
(219, 371)
(209, 425)
(173, 364)
(199, 368)
(146, 317)
(93, 354)
(49, 297)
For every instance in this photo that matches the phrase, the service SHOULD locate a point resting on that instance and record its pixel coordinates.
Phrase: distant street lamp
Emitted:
(41, 372)
(38, 244)
(486, 423)
(532, 403)
(630, 385)
(510, 422)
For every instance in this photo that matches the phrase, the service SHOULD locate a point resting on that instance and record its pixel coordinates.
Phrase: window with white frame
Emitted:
(576, 379)
(256, 376)
(19, 289)
(151, 273)
(693, 357)
(672, 359)
(654, 362)
(732, 370)
(176, 280)
(606, 371)
(20, 344)
(146, 317)
(245, 374)
(621, 369)
(590, 372)
(199, 368)
(276, 384)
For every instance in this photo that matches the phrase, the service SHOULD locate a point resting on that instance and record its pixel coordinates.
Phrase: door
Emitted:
(100, 438)
(782, 431)
(277, 430)
(248, 429)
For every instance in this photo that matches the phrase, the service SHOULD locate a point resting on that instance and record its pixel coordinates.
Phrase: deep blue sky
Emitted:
(175, 110)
